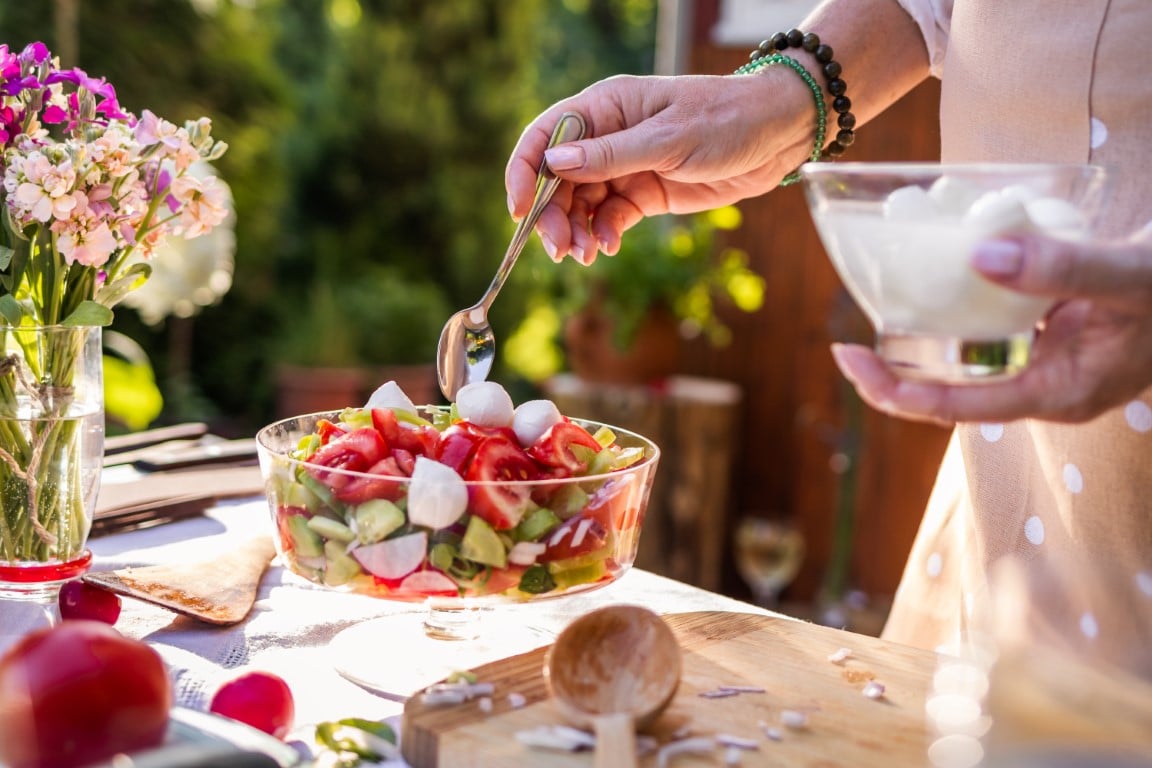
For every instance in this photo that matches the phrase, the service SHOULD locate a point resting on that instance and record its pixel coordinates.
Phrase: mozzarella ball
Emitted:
(953, 196)
(1057, 217)
(533, 418)
(389, 395)
(485, 404)
(909, 203)
(437, 496)
(996, 214)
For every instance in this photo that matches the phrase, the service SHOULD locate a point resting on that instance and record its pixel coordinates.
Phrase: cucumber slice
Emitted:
(339, 566)
(376, 519)
(305, 541)
(536, 524)
(332, 530)
(481, 544)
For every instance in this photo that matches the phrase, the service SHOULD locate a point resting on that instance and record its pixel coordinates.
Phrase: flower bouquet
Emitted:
(89, 193)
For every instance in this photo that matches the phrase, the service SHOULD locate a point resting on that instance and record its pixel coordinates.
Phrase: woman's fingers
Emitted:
(1041, 266)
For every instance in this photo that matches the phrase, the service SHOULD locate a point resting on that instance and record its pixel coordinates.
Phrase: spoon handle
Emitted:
(615, 741)
(571, 127)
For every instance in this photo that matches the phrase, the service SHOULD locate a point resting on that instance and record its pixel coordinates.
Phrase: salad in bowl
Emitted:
(479, 499)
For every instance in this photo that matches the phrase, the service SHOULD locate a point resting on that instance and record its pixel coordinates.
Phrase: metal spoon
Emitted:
(467, 345)
(616, 669)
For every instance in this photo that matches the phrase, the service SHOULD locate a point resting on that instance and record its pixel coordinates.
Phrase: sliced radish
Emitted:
(393, 558)
(532, 419)
(485, 404)
(427, 583)
(389, 395)
(437, 496)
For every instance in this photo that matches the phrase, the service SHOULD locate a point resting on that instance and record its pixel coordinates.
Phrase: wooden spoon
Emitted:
(614, 669)
(219, 591)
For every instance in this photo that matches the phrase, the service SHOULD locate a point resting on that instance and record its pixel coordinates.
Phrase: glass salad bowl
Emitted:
(901, 236)
(455, 514)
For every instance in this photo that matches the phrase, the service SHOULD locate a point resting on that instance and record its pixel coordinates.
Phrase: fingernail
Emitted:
(564, 158)
(511, 207)
(549, 247)
(1000, 258)
(578, 254)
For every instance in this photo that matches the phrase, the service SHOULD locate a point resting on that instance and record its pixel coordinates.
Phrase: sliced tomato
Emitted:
(616, 504)
(404, 460)
(356, 451)
(457, 447)
(381, 484)
(419, 440)
(500, 460)
(327, 430)
(505, 433)
(575, 537)
(554, 447)
(493, 581)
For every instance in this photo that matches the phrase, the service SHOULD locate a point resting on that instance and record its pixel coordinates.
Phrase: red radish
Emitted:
(259, 699)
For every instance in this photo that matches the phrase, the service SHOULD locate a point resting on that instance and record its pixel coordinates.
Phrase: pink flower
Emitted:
(88, 247)
(152, 130)
(46, 193)
(205, 203)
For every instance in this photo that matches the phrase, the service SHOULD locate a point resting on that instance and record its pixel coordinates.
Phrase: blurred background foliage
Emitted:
(367, 147)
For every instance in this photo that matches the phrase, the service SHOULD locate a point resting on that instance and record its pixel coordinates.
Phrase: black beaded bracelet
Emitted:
(831, 69)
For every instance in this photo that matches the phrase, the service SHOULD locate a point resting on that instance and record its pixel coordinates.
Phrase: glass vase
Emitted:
(51, 455)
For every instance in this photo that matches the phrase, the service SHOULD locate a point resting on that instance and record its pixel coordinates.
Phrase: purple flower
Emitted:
(15, 86)
(80, 78)
(9, 64)
(35, 53)
(54, 114)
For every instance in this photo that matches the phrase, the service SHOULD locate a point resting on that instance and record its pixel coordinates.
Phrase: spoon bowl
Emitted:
(614, 669)
(467, 345)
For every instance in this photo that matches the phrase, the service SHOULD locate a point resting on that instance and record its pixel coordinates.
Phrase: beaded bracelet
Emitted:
(810, 42)
(817, 97)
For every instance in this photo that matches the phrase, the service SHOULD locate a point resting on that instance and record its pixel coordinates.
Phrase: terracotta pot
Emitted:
(593, 354)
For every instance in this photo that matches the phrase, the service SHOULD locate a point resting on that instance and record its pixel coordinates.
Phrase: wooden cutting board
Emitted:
(788, 658)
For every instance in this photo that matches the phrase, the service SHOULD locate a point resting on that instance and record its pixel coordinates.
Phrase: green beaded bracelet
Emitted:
(817, 96)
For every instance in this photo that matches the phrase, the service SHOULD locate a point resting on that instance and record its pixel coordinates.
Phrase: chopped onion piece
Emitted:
(840, 656)
(732, 756)
(793, 718)
(485, 704)
(581, 531)
(516, 700)
(561, 738)
(694, 746)
(742, 688)
(873, 689)
(717, 693)
(526, 552)
(739, 742)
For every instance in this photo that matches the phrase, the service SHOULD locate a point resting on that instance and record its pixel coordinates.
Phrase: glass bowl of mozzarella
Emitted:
(901, 237)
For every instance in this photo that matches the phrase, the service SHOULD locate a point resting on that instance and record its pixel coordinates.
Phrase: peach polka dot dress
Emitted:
(1067, 81)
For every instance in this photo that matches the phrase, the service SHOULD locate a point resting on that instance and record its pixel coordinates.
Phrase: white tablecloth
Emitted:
(293, 621)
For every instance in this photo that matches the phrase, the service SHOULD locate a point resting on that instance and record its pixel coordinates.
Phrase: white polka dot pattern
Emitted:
(1073, 480)
(934, 565)
(992, 432)
(1099, 133)
(1144, 582)
(1034, 530)
(1138, 414)
(1088, 625)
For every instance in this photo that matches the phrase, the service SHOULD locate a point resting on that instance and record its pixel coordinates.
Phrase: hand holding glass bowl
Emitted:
(901, 237)
(457, 508)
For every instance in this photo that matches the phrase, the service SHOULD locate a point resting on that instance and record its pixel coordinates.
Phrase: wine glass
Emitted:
(377, 534)
(769, 552)
(901, 236)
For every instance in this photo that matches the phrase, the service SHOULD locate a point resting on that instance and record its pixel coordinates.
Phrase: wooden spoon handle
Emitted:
(615, 741)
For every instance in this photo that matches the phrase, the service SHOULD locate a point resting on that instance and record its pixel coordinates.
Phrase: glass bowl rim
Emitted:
(652, 456)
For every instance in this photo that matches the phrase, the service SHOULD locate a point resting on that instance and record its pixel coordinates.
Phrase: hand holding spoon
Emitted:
(467, 345)
(616, 669)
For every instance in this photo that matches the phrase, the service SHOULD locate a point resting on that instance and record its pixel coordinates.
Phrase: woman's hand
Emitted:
(659, 145)
(1094, 352)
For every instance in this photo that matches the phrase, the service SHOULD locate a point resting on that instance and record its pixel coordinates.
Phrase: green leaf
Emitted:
(114, 292)
(11, 309)
(89, 313)
(6, 255)
(326, 735)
